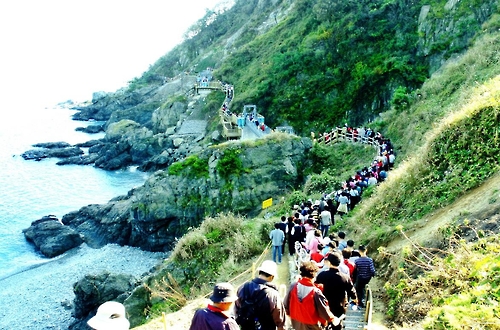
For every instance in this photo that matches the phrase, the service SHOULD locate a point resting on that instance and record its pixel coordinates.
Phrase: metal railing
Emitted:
(217, 85)
(339, 134)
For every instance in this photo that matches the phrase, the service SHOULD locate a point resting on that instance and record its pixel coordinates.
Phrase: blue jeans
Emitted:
(277, 251)
(324, 230)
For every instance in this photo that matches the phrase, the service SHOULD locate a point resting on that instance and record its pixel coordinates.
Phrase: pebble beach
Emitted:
(41, 297)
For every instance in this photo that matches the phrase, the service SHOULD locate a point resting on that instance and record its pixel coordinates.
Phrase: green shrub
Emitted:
(192, 166)
(322, 183)
(230, 163)
(296, 198)
(400, 99)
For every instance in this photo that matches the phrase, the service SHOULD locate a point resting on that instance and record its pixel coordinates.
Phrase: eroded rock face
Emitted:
(52, 237)
(155, 214)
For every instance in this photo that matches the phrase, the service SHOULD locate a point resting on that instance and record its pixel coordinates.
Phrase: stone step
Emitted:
(353, 325)
(355, 319)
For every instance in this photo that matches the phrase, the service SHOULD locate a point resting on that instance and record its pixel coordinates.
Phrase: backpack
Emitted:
(247, 315)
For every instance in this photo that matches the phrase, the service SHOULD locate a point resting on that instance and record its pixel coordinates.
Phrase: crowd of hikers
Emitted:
(333, 273)
(317, 300)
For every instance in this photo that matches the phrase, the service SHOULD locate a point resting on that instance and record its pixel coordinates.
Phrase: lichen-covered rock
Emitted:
(95, 289)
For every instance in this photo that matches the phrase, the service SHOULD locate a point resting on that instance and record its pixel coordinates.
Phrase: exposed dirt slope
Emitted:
(480, 208)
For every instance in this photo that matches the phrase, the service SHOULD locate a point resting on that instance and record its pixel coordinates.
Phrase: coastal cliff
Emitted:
(372, 72)
(236, 177)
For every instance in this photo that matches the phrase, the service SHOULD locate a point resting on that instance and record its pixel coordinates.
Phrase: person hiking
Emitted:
(216, 316)
(277, 237)
(259, 305)
(365, 270)
(305, 303)
(337, 286)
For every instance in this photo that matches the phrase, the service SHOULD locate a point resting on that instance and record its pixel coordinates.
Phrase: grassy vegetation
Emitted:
(460, 288)
(220, 249)
(192, 167)
(459, 148)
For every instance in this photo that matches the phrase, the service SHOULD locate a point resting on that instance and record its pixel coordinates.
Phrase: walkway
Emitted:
(247, 126)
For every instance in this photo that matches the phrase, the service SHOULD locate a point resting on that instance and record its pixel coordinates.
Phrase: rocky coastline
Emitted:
(143, 129)
(43, 297)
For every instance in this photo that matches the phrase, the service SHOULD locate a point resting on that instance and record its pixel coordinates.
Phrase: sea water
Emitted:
(30, 189)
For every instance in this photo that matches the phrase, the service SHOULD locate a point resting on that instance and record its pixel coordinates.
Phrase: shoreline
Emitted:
(39, 263)
(41, 296)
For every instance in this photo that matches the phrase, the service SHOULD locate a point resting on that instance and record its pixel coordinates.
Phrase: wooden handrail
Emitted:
(369, 307)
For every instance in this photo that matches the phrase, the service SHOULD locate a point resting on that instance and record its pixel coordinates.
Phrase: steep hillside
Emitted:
(438, 211)
(425, 74)
(294, 59)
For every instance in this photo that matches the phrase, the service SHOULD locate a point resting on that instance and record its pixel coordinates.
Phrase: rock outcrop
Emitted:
(93, 290)
(233, 177)
(52, 149)
(51, 237)
(91, 129)
(141, 126)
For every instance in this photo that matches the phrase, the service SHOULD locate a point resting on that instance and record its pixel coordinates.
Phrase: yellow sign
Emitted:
(267, 203)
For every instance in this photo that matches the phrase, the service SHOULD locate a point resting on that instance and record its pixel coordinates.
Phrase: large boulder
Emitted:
(167, 116)
(51, 236)
(95, 289)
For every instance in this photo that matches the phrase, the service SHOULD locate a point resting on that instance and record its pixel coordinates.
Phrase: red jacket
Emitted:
(309, 309)
(317, 257)
(351, 267)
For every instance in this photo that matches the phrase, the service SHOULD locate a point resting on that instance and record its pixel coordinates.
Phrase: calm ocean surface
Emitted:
(29, 189)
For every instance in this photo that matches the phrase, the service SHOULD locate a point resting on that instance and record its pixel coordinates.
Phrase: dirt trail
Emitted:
(474, 204)
(480, 204)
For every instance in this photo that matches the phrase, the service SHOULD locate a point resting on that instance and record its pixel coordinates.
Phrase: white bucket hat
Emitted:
(269, 267)
(110, 316)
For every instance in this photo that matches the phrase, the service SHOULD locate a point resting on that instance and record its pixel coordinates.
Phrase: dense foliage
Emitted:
(343, 68)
